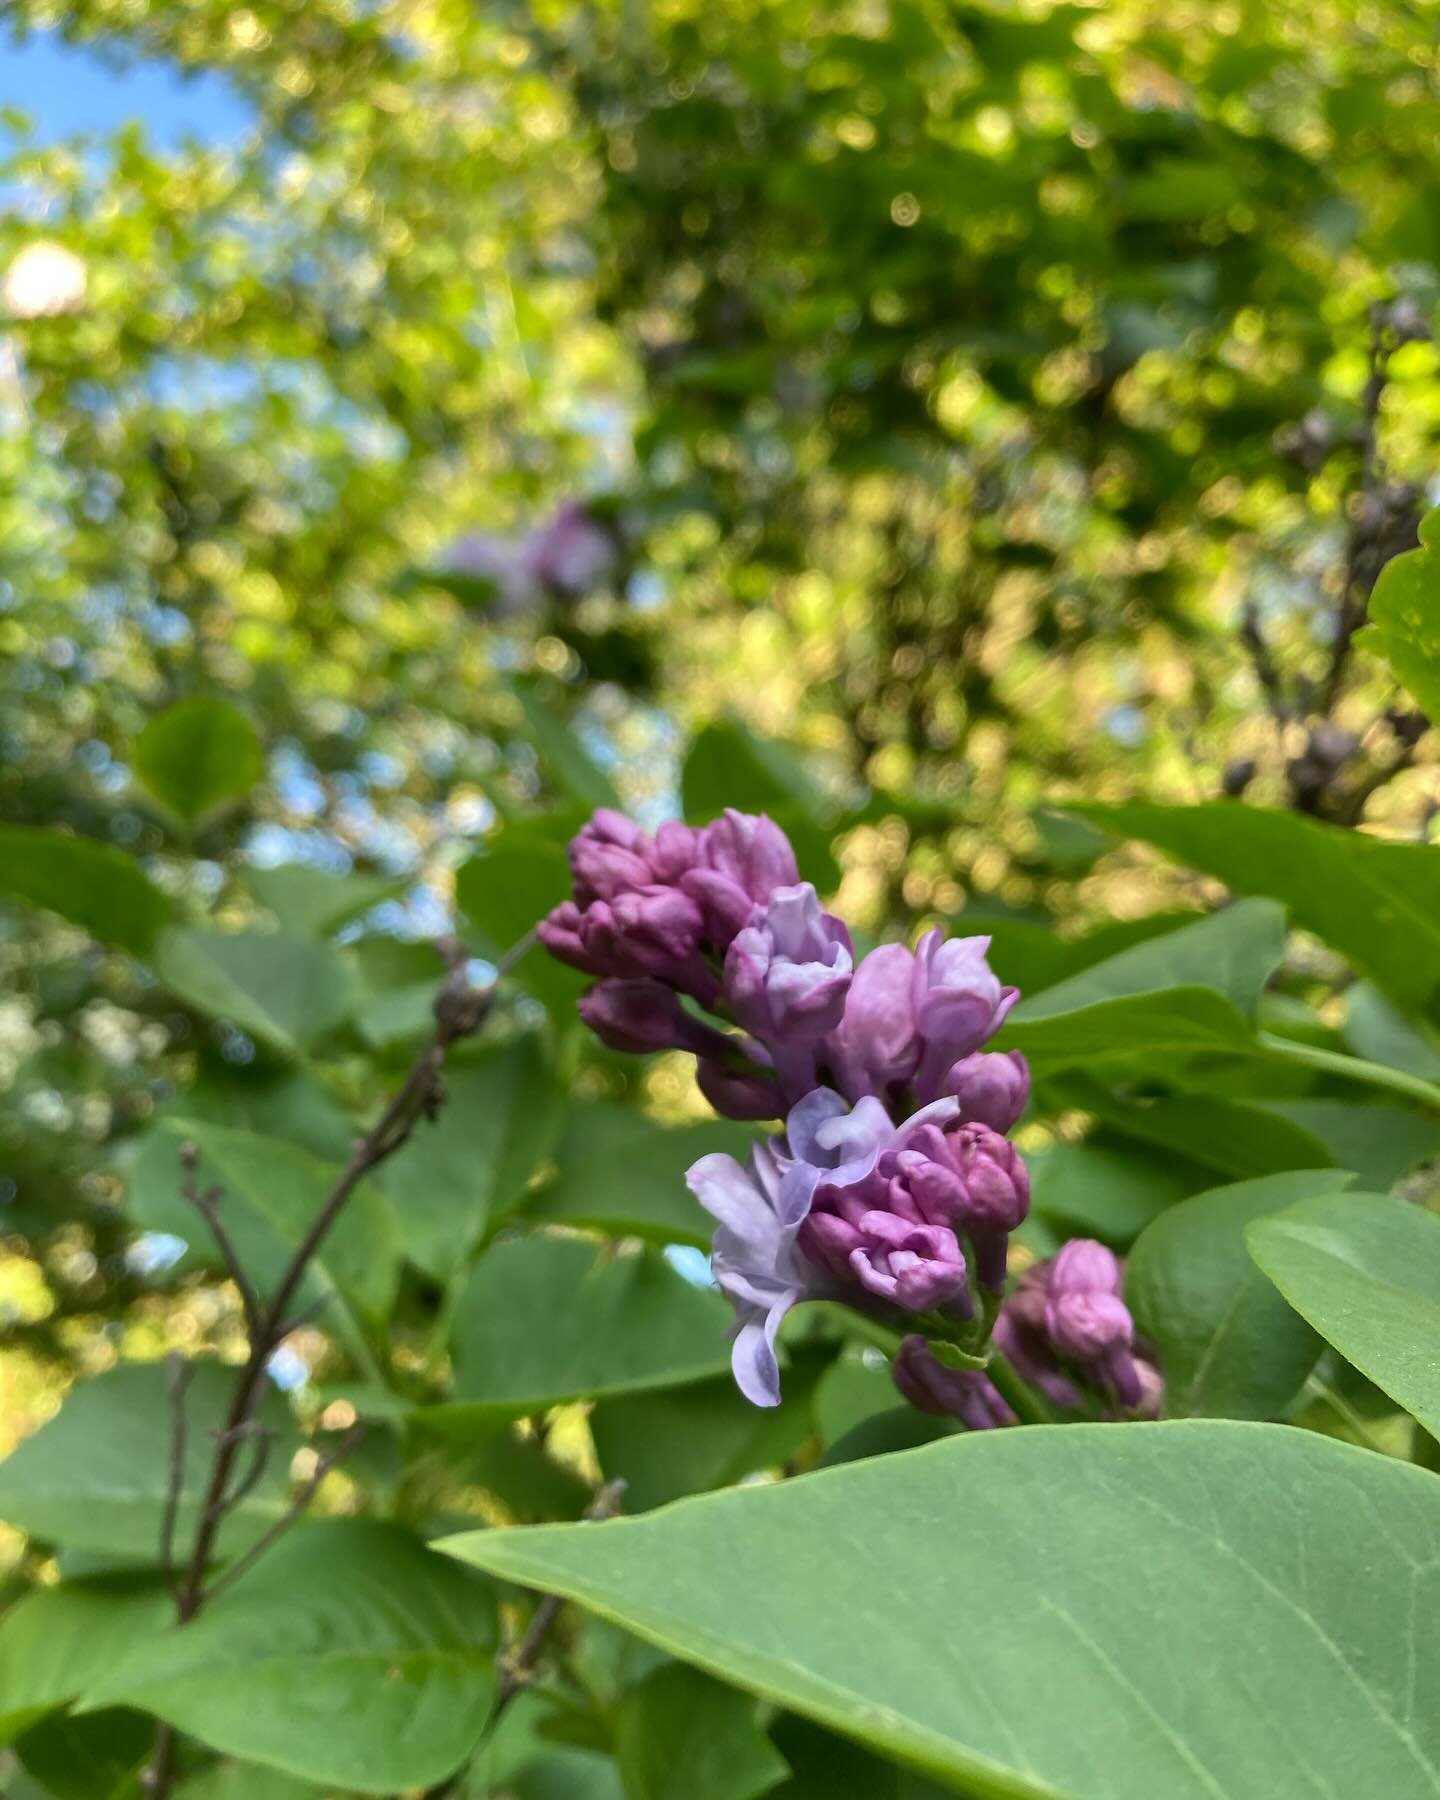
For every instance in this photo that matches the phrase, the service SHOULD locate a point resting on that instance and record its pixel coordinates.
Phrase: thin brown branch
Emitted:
(206, 1202)
(518, 1667)
(263, 1438)
(1266, 671)
(460, 1010)
(177, 1380)
(296, 1509)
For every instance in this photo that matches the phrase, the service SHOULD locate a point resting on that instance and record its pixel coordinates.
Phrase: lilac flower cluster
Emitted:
(910, 1220)
(567, 557)
(1066, 1331)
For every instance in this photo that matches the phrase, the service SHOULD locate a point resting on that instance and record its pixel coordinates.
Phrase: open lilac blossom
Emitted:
(754, 1258)
(958, 1004)
(1067, 1331)
(931, 1387)
(874, 1047)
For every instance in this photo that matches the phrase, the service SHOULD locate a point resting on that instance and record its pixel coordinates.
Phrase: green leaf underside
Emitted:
(198, 754)
(1229, 1345)
(1208, 1608)
(619, 1171)
(1377, 902)
(309, 903)
(348, 1655)
(92, 885)
(56, 1641)
(95, 1477)
(543, 1320)
(1364, 1269)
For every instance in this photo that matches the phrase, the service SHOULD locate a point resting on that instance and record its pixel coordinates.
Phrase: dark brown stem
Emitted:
(1363, 562)
(460, 1009)
(518, 1667)
(206, 1202)
(177, 1381)
(297, 1507)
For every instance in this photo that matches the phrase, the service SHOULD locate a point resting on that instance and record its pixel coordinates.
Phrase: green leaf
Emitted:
(93, 886)
(1235, 952)
(1377, 902)
(510, 886)
(1094, 1191)
(1139, 1030)
(451, 1445)
(1229, 1346)
(826, 1767)
(57, 1640)
(95, 1477)
(311, 904)
(198, 754)
(1364, 1269)
(1379, 1143)
(1374, 1030)
(272, 1191)
(683, 1736)
(1404, 613)
(1228, 1136)
(347, 1655)
(97, 1757)
(562, 755)
(286, 992)
(1033, 958)
(728, 765)
(620, 1172)
(546, 1319)
(684, 1440)
(462, 1172)
(1281, 1662)
(248, 1781)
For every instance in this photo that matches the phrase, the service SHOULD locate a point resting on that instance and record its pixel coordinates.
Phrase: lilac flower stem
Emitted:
(1024, 1402)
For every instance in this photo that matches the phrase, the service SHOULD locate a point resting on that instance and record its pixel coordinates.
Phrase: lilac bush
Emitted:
(893, 1186)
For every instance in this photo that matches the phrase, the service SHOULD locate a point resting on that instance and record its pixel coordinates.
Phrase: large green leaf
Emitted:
(95, 1477)
(1095, 1190)
(1228, 1136)
(728, 765)
(509, 886)
(562, 755)
(1378, 902)
(348, 1655)
(100, 889)
(97, 1756)
(1229, 1346)
(683, 1736)
(1141, 1030)
(1404, 613)
(1202, 1610)
(198, 754)
(286, 991)
(683, 1440)
(1374, 1030)
(1033, 957)
(272, 1192)
(309, 903)
(1364, 1269)
(619, 1171)
(545, 1319)
(1379, 1143)
(467, 1168)
(57, 1640)
(1234, 951)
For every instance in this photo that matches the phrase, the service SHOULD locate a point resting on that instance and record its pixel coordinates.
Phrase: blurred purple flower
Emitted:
(571, 554)
(638, 1014)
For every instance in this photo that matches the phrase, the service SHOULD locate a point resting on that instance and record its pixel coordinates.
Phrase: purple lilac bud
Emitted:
(786, 976)
(639, 1014)
(725, 908)
(645, 931)
(609, 855)
(1066, 1324)
(991, 1086)
(561, 932)
(752, 851)
(918, 1268)
(958, 1003)
(874, 1044)
(965, 1394)
(967, 1177)
(1086, 1320)
(677, 849)
(738, 1095)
